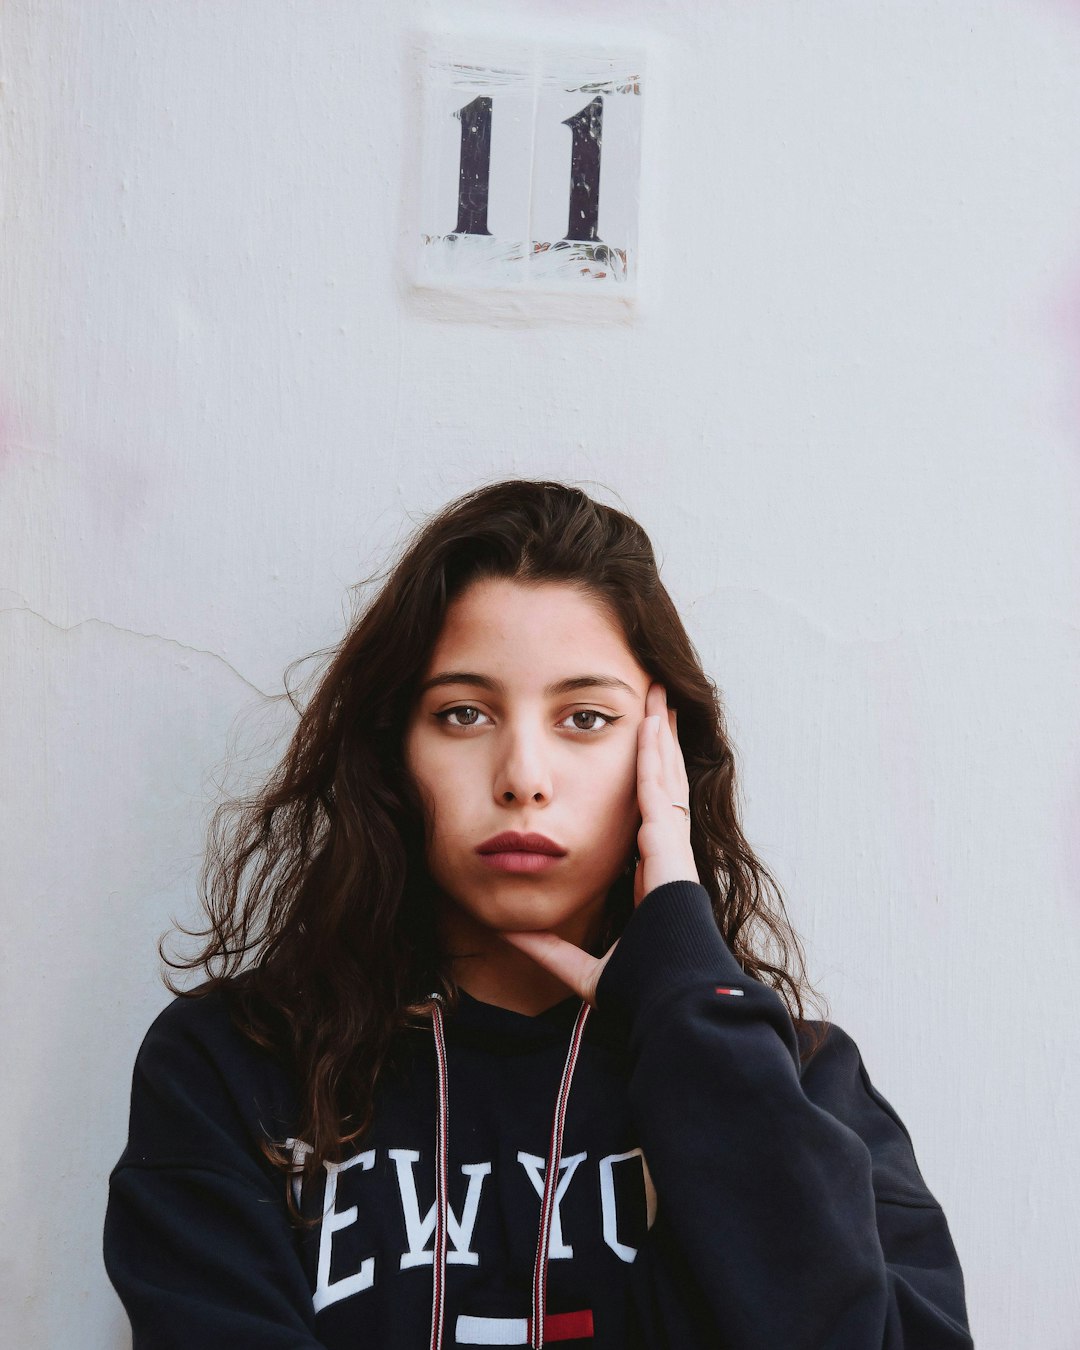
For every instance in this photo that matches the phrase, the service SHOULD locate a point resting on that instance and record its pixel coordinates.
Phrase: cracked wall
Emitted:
(846, 409)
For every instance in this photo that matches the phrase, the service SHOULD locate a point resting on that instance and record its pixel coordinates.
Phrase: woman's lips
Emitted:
(518, 841)
(520, 862)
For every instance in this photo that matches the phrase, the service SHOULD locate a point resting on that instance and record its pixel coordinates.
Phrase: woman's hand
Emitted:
(663, 844)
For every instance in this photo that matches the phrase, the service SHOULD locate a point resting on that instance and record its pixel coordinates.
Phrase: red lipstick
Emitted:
(512, 851)
(510, 841)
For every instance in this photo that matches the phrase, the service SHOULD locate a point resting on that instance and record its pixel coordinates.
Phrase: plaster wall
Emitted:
(846, 406)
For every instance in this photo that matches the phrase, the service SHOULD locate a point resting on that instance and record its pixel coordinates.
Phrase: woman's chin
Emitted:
(523, 909)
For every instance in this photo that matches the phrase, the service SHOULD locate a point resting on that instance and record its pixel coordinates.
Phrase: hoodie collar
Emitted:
(502, 1029)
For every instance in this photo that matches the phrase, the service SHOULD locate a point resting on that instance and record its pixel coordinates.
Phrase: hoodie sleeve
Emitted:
(802, 1225)
(197, 1242)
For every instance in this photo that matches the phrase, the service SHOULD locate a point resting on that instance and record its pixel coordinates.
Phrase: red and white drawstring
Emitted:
(438, 1260)
(551, 1181)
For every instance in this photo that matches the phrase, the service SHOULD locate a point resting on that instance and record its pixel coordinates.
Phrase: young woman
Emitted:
(488, 1051)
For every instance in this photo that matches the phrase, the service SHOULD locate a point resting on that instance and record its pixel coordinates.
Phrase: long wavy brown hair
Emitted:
(320, 907)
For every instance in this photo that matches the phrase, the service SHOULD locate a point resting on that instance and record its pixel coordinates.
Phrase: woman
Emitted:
(488, 1052)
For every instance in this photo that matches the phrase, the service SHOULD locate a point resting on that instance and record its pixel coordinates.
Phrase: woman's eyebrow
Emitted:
(497, 687)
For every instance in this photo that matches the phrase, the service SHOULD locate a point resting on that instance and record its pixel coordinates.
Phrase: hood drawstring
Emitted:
(551, 1181)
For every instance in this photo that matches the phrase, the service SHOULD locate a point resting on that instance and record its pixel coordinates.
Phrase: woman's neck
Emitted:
(493, 971)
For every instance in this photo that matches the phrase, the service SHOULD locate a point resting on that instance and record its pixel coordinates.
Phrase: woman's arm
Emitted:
(801, 1230)
(197, 1242)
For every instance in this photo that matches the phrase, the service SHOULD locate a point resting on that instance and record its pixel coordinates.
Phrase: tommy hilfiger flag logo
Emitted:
(567, 1326)
(724, 989)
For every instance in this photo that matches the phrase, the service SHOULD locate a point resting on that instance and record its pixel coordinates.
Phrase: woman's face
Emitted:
(527, 720)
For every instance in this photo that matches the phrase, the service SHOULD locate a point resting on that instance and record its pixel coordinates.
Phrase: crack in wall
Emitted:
(134, 632)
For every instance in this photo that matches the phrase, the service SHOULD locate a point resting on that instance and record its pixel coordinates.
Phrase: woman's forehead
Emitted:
(533, 636)
(500, 603)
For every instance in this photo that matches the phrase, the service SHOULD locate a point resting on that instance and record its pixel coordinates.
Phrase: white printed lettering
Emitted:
(607, 1201)
(534, 1168)
(333, 1221)
(458, 1231)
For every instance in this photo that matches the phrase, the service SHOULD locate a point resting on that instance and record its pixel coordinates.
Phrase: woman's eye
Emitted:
(470, 720)
(444, 716)
(591, 712)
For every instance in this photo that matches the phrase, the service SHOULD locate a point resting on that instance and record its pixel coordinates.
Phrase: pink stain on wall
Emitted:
(10, 434)
(1066, 313)
(1065, 320)
(113, 489)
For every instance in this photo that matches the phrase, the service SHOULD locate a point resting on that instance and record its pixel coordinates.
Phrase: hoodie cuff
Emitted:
(670, 941)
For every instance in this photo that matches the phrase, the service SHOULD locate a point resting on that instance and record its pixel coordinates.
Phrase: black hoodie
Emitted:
(711, 1194)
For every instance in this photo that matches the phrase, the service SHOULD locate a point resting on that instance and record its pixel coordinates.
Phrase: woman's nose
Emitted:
(523, 772)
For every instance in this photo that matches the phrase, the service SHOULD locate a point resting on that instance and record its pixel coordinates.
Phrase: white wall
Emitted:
(848, 411)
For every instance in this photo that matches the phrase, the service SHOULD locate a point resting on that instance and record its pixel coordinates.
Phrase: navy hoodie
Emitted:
(711, 1193)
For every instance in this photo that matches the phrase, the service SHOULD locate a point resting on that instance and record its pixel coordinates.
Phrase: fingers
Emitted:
(672, 756)
(650, 783)
(674, 771)
(639, 883)
(662, 776)
(577, 969)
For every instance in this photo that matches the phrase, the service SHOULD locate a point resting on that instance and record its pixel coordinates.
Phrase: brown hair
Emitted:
(320, 905)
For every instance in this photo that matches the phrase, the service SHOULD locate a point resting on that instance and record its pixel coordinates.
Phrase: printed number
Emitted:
(585, 127)
(474, 174)
(475, 170)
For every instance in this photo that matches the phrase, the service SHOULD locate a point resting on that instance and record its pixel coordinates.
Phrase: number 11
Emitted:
(474, 172)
